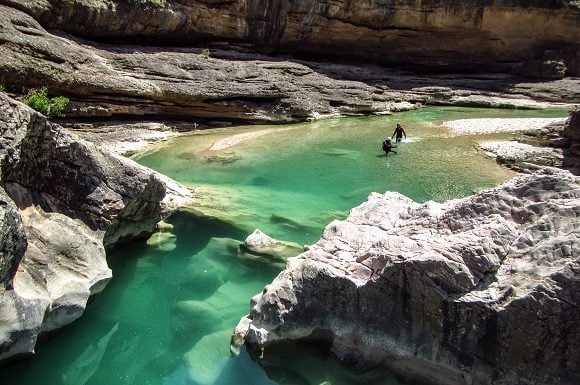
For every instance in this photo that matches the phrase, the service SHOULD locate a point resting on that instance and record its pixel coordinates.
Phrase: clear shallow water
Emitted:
(167, 315)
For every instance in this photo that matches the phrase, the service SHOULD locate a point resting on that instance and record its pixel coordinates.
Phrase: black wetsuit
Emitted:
(388, 147)
(399, 132)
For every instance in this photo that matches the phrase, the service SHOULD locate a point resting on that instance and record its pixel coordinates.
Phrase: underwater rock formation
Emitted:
(260, 245)
(478, 290)
(61, 199)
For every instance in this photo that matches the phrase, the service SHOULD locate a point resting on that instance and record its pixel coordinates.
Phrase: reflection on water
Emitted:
(167, 315)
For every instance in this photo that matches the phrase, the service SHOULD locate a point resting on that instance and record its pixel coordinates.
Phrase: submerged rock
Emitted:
(262, 245)
(204, 362)
(477, 290)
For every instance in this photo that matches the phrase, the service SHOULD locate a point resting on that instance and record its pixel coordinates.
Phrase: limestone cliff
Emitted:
(61, 199)
(446, 34)
(121, 79)
(481, 290)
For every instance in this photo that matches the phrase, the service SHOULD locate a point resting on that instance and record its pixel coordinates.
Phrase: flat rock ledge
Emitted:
(480, 290)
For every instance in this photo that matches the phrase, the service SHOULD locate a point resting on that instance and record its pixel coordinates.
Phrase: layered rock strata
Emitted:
(480, 290)
(140, 82)
(61, 200)
(538, 38)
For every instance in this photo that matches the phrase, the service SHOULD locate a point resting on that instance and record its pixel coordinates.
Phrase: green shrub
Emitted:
(39, 101)
(205, 53)
(2, 89)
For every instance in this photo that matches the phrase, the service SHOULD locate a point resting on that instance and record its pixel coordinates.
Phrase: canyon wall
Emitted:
(534, 37)
(140, 59)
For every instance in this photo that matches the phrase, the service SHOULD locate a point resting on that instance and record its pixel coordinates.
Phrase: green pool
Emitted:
(167, 315)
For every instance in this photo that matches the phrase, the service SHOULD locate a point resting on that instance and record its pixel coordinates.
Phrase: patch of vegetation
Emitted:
(205, 53)
(2, 89)
(38, 100)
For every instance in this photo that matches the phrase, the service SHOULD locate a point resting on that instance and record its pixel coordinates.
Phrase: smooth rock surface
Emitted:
(273, 250)
(523, 157)
(480, 290)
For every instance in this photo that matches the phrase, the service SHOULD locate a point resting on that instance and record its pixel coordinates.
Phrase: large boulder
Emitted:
(480, 290)
(63, 266)
(65, 200)
(48, 166)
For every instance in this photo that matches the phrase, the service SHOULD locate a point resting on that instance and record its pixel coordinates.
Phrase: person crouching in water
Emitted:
(399, 132)
(388, 146)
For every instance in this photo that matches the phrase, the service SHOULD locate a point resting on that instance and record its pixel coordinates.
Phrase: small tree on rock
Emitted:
(38, 100)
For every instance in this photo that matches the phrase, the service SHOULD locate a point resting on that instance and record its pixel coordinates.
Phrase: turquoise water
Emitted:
(167, 316)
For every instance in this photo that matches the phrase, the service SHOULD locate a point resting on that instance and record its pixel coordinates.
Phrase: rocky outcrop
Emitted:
(572, 133)
(480, 290)
(64, 199)
(261, 246)
(12, 240)
(538, 38)
(130, 81)
(61, 173)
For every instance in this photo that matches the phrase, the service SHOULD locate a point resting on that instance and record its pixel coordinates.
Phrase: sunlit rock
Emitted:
(73, 199)
(473, 290)
(163, 241)
(259, 245)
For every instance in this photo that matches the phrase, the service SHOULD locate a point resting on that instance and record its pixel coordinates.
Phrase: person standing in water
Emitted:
(399, 132)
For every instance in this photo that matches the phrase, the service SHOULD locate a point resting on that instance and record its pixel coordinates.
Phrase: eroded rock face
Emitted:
(479, 290)
(572, 134)
(48, 166)
(108, 80)
(65, 198)
(451, 34)
(12, 240)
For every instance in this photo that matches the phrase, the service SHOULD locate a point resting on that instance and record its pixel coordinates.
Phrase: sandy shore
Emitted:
(238, 138)
(491, 125)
